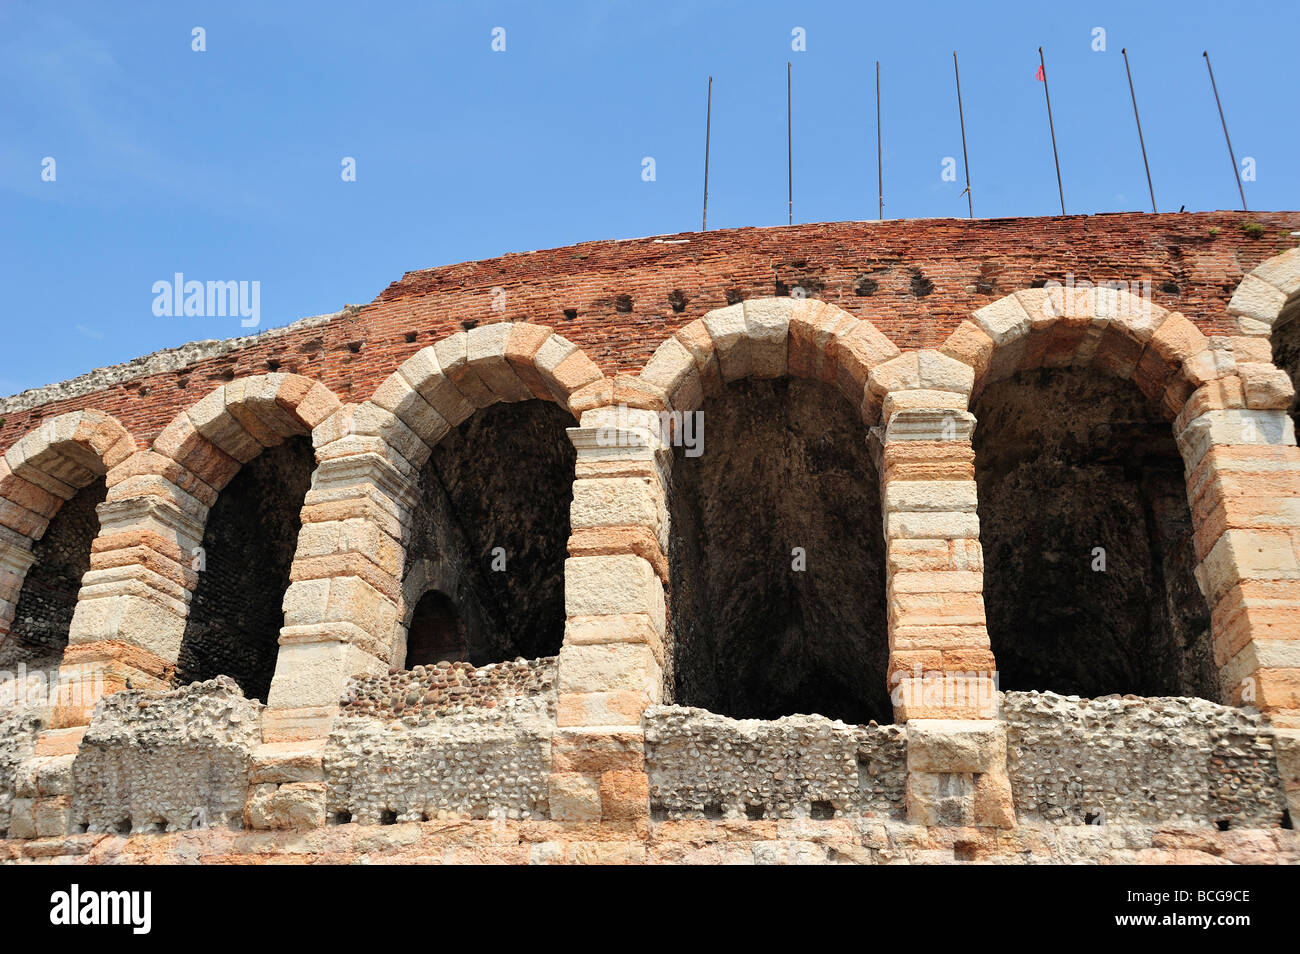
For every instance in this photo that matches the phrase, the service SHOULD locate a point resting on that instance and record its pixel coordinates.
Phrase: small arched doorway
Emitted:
(436, 633)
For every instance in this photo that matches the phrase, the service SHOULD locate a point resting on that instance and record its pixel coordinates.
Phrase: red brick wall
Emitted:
(968, 263)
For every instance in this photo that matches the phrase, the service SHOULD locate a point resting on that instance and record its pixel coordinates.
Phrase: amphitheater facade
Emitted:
(926, 541)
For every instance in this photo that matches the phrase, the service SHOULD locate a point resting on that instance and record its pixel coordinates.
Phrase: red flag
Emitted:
(1039, 75)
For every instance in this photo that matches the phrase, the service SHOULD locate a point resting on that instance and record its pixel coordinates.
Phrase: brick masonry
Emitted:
(909, 321)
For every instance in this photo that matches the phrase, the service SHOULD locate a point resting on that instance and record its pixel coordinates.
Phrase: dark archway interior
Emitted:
(785, 465)
(436, 633)
(1286, 351)
(39, 631)
(1067, 462)
(248, 546)
(494, 514)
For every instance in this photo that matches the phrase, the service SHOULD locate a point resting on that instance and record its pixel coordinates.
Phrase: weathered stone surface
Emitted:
(703, 765)
(163, 761)
(1150, 761)
(476, 763)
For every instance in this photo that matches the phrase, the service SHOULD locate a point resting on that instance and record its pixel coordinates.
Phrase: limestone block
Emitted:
(422, 371)
(767, 323)
(930, 496)
(290, 805)
(315, 674)
(398, 396)
(130, 617)
(726, 326)
(1266, 386)
(1248, 555)
(970, 344)
(941, 525)
(896, 374)
(956, 745)
(921, 399)
(695, 338)
(452, 354)
(620, 502)
(575, 797)
(1257, 300)
(522, 344)
(578, 382)
(669, 369)
(612, 585)
(486, 347)
(930, 424)
(1004, 320)
(1233, 426)
(939, 372)
(610, 667)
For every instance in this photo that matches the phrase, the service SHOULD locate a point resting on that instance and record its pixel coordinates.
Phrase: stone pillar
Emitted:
(340, 612)
(134, 600)
(1243, 485)
(611, 664)
(942, 671)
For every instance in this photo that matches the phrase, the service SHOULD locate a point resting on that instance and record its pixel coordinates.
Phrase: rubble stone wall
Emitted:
(444, 741)
(163, 761)
(1123, 758)
(703, 765)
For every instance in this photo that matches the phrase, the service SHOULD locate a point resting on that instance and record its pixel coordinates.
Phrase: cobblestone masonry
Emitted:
(155, 761)
(703, 765)
(910, 322)
(424, 693)
(1121, 758)
(449, 740)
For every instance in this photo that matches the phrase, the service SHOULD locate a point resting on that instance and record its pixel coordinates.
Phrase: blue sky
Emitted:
(225, 164)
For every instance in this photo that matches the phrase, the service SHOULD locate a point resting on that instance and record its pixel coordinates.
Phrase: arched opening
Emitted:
(39, 631)
(248, 545)
(1286, 351)
(493, 513)
(436, 633)
(1087, 538)
(777, 568)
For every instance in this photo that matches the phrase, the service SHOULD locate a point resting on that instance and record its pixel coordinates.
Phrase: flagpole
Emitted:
(789, 140)
(708, 126)
(1133, 96)
(880, 171)
(1042, 65)
(970, 205)
(1231, 155)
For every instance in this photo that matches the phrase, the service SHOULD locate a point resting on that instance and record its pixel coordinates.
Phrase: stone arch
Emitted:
(763, 338)
(346, 609)
(135, 602)
(1269, 295)
(1108, 329)
(786, 382)
(434, 576)
(1265, 306)
(1225, 406)
(39, 474)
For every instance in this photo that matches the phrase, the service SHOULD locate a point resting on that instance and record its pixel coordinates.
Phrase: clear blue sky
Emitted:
(225, 164)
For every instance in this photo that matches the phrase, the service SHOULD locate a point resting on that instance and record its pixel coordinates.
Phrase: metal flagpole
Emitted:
(1042, 65)
(880, 171)
(789, 139)
(708, 125)
(1133, 96)
(970, 205)
(1231, 155)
